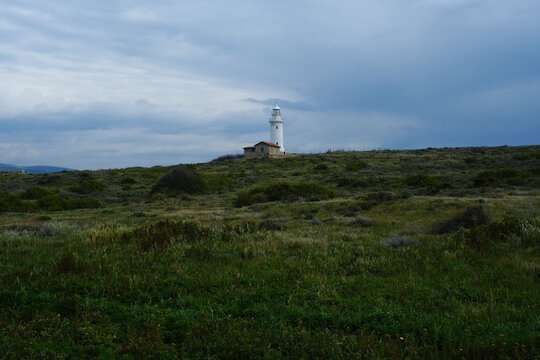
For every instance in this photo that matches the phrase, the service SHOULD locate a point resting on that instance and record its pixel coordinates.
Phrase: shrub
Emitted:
(275, 224)
(128, 181)
(228, 157)
(380, 197)
(422, 180)
(283, 191)
(321, 167)
(160, 235)
(52, 202)
(362, 221)
(354, 181)
(57, 203)
(515, 231)
(88, 186)
(34, 193)
(356, 165)
(469, 218)
(501, 176)
(10, 202)
(178, 180)
(84, 203)
(399, 241)
(70, 263)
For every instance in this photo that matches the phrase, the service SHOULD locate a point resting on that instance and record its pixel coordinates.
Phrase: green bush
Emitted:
(501, 176)
(356, 165)
(469, 218)
(58, 203)
(52, 202)
(375, 198)
(180, 179)
(161, 235)
(34, 193)
(321, 167)
(422, 180)
(128, 181)
(82, 203)
(10, 202)
(355, 182)
(283, 191)
(88, 186)
(516, 231)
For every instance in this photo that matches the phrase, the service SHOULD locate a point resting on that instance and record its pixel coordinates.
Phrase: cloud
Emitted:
(355, 74)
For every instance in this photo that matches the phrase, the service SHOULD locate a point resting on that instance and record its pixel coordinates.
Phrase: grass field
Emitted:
(430, 253)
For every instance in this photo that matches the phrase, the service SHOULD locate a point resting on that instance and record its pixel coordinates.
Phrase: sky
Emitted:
(111, 84)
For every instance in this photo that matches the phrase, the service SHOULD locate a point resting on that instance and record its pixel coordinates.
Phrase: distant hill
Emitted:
(35, 169)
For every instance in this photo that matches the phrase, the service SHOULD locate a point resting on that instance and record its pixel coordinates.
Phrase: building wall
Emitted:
(276, 134)
(8, 172)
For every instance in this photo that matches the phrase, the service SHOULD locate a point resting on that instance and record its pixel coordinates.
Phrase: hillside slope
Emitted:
(429, 253)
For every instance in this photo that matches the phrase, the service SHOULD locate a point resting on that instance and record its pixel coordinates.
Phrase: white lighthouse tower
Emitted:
(276, 128)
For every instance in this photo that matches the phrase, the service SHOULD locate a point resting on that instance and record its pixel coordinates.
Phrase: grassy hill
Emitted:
(429, 253)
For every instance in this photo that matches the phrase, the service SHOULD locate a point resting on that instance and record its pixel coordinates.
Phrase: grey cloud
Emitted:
(386, 73)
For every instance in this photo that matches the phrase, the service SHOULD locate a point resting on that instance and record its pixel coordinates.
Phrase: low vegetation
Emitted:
(430, 253)
(283, 191)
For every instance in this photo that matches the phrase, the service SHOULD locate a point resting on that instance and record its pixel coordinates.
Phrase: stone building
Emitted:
(262, 148)
(11, 172)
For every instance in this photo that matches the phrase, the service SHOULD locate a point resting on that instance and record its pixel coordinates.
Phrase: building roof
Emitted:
(249, 147)
(267, 143)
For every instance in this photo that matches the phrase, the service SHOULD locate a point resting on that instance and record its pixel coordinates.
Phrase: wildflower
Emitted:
(401, 338)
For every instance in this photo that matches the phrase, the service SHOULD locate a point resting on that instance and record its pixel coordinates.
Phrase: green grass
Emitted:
(193, 276)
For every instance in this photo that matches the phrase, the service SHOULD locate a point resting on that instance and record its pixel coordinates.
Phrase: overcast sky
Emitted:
(103, 84)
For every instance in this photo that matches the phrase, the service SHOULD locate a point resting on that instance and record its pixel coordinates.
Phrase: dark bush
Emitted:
(58, 203)
(180, 179)
(83, 203)
(34, 193)
(356, 165)
(377, 198)
(128, 181)
(515, 231)
(46, 179)
(88, 186)
(469, 218)
(283, 191)
(399, 241)
(52, 203)
(362, 221)
(321, 167)
(354, 181)
(160, 235)
(273, 224)
(70, 263)
(501, 176)
(422, 180)
(10, 202)
(228, 157)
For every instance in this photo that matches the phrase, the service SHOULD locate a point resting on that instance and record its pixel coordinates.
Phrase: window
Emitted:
(262, 149)
(253, 150)
(276, 127)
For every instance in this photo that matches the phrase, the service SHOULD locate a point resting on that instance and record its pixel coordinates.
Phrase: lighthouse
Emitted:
(276, 128)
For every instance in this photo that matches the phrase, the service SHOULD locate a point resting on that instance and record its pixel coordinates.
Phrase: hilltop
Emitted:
(34, 169)
(386, 253)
